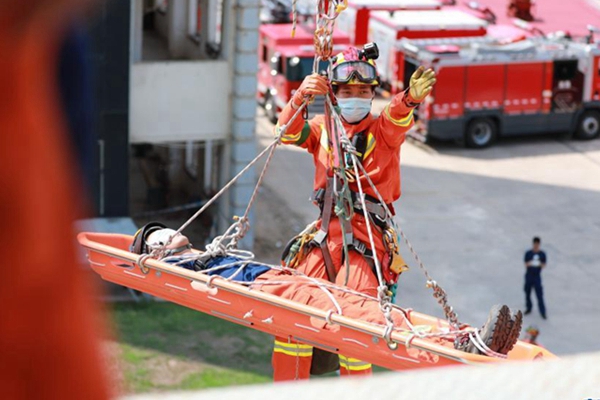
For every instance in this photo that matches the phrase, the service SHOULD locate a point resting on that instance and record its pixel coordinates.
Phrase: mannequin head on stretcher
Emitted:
(178, 252)
(155, 235)
(179, 243)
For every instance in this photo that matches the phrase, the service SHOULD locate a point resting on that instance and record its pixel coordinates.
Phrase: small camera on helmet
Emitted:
(369, 51)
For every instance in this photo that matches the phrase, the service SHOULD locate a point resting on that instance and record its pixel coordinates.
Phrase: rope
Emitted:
(346, 144)
(294, 17)
(226, 244)
(481, 346)
(439, 293)
(326, 287)
(241, 226)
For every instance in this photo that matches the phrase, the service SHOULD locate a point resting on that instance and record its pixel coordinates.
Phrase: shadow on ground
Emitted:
(472, 232)
(517, 146)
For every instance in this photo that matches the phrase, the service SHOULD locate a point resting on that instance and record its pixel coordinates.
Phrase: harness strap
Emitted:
(321, 236)
(179, 249)
(374, 208)
(364, 250)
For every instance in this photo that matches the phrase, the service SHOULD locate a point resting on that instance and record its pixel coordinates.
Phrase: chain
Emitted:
(439, 293)
(327, 13)
(442, 298)
(297, 359)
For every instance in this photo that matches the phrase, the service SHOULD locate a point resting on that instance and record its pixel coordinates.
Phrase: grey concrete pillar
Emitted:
(244, 68)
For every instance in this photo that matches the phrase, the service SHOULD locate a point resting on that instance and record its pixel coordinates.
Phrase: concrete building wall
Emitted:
(199, 96)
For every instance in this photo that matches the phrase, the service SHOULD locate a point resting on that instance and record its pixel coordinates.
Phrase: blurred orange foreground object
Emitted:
(298, 312)
(48, 328)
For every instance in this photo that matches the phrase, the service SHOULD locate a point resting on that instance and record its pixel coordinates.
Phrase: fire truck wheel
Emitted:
(271, 109)
(589, 125)
(480, 133)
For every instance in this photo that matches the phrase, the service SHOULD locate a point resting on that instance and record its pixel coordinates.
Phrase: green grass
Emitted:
(215, 352)
(163, 346)
(180, 331)
(216, 378)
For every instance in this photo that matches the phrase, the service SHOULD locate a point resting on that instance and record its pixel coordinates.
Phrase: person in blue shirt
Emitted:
(535, 261)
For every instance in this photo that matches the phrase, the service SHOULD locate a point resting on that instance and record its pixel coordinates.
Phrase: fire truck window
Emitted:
(565, 70)
(264, 52)
(299, 67)
(276, 63)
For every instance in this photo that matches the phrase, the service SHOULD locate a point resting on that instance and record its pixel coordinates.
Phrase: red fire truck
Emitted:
(486, 88)
(385, 29)
(284, 61)
(355, 19)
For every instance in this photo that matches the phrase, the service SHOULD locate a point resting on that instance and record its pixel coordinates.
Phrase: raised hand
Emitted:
(421, 83)
(312, 85)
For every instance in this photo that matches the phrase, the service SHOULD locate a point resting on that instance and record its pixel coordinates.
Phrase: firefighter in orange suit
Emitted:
(377, 141)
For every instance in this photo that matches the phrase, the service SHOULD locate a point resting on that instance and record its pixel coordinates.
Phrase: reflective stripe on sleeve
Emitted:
(370, 145)
(353, 364)
(296, 138)
(399, 122)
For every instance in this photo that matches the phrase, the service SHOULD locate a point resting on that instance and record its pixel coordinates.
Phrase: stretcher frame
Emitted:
(108, 255)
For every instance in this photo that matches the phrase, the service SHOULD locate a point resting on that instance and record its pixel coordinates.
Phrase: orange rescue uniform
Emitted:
(381, 160)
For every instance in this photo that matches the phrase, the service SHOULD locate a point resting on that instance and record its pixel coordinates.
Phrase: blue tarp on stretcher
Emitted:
(248, 274)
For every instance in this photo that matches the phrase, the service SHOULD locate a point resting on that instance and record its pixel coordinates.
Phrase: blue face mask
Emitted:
(354, 109)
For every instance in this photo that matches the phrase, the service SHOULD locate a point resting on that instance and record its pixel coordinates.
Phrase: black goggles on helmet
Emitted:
(362, 71)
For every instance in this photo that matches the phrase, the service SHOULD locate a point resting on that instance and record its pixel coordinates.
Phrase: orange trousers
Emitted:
(291, 360)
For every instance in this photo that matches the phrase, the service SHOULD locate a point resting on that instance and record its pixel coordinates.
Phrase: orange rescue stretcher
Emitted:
(109, 256)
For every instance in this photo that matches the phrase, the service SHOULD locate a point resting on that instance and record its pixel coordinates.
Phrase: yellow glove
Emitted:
(421, 83)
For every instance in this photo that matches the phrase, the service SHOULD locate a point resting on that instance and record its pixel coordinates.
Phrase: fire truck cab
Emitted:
(284, 61)
(486, 88)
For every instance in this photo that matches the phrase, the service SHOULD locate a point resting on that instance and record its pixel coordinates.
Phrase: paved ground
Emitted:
(471, 215)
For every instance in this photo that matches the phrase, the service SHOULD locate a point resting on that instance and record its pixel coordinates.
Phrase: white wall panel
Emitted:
(179, 101)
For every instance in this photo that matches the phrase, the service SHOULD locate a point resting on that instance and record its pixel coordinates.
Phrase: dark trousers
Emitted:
(534, 282)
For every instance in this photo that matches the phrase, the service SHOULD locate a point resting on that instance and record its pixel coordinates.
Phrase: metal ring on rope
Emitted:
(387, 336)
(328, 317)
(209, 282)
(140, 263)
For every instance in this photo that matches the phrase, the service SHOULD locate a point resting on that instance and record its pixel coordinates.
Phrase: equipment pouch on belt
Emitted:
(393, 264)
(297, 248)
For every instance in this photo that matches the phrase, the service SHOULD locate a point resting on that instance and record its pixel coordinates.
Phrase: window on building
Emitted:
(264, 52)
(162, 6)
(204, 25)
(195, 11)
(214, 34)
